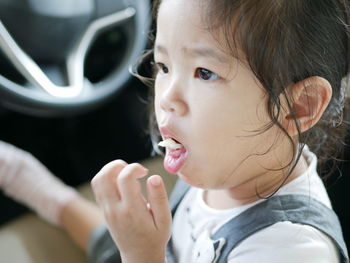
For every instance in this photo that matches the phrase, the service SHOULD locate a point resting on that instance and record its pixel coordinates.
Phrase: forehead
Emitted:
(181, 21)
(181, 26)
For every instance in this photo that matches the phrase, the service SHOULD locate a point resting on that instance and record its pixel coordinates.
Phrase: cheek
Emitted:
(156, 101)
(226, 137)
(156, 108)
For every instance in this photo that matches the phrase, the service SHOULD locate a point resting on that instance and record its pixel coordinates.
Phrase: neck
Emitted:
(259, 187)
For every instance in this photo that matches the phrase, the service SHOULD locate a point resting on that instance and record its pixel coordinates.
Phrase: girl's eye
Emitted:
(161, 67)
(205, 74)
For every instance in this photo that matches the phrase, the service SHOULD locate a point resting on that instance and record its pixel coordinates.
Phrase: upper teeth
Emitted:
(170, 143)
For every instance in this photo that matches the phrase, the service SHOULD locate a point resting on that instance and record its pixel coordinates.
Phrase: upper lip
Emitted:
(167, 132)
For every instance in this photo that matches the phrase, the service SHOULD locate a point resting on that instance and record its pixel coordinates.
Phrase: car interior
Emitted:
(67, 96)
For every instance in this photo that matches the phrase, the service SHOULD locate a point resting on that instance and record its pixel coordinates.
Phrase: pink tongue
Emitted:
(174, 160)
(176, 153)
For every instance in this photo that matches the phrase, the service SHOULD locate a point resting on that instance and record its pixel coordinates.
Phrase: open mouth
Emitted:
(176, 155)
(171, 144)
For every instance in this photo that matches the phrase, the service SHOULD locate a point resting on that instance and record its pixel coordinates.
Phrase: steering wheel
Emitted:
(68, 56)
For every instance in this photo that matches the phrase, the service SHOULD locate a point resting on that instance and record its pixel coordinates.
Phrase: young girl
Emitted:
(246, 93)
(243, 91)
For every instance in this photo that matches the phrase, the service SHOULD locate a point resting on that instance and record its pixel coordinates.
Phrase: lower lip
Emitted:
(174, 160)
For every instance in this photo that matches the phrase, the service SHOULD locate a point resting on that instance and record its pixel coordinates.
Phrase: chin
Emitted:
(192, 178)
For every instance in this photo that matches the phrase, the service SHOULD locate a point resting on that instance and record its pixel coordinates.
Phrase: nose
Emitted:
(172, 99)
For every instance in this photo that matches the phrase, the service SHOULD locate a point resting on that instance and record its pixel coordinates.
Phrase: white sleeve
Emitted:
(288, 243)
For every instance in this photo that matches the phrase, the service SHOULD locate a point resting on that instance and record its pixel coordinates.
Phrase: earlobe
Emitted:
(309, 99)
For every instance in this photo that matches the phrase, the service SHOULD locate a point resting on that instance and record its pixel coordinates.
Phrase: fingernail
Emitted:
(155, 180)
(145, 172)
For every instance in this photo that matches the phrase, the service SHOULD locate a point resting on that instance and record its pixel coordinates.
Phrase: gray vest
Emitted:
(294, 208)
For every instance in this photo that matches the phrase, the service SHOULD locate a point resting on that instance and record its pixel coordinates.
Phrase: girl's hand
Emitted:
(141, 228)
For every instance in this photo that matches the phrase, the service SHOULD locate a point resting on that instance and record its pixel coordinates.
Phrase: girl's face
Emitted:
(210, 103)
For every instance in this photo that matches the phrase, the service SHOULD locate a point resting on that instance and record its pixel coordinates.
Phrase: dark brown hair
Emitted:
(286, 41)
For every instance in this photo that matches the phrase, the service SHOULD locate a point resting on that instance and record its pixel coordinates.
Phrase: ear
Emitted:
(309, 99)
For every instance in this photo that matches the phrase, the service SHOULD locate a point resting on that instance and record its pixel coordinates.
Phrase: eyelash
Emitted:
(200, 73)
(205, 74)
(162, 67)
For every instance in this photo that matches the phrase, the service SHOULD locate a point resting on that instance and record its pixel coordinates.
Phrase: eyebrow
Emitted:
(161, 49)
(197, 51)
(206, 52)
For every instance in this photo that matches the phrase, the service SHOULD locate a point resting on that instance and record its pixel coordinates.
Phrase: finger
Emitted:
(129, 186)
(104, 185)
(158, 200)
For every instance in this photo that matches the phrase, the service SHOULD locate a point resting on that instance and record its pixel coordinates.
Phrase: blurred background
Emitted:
(75, 136)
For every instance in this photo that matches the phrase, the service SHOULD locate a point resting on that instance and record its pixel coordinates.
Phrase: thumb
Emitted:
(158, 200)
